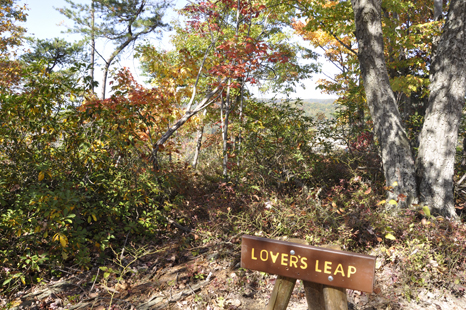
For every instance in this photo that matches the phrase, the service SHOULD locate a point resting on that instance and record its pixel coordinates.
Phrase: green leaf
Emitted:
(390, 237)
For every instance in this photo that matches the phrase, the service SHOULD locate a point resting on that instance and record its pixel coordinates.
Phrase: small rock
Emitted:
(233, 302)
(121, 286)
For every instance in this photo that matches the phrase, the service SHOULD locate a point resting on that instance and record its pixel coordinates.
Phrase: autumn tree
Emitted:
(11, 37)
(394, 50)
(230, 44)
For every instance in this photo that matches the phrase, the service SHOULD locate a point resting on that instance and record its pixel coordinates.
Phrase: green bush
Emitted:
(70, 184)
(282, 148)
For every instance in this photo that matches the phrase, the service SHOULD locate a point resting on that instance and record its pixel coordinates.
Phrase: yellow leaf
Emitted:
(390, 236)
(63, 241)
(392, 202)
(37, 229)
(381, 202)
(395, 183)
(94, 217)
(46, 234)
(41, 176)
(426, 211)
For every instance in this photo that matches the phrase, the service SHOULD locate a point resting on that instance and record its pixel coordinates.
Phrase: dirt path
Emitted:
(207, 278)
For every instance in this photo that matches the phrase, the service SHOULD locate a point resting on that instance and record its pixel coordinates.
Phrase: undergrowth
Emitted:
(79, 211)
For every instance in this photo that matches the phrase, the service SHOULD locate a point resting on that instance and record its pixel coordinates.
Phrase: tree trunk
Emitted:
(92, 44)
(463, 160)
(110, 60)
(239, 137)
(104, 80)
(200, 134)
(438, 138)
(225, 114)
(438, 7)
(397, 159)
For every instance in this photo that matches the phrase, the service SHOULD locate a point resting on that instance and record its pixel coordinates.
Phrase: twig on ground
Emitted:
(92, 287)
(124, 246)
(186, 229)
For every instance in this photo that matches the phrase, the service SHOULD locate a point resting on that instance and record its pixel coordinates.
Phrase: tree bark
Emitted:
(239, 137)
(200, 134)
(438, 138)
(438, 7)
(92, 44)
(397, 159)
(463, 160)
(225, 115)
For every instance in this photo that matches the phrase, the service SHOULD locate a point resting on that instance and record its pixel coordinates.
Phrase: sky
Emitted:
(44, 22)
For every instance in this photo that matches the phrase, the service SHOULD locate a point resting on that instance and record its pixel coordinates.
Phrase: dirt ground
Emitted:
(203, 278)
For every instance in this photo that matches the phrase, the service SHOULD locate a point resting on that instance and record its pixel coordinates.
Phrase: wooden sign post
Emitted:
(326, 272)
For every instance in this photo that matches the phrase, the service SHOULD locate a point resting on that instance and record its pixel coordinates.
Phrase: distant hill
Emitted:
(312, 107)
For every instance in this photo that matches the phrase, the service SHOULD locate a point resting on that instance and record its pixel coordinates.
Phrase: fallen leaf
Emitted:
(426, 211)
(390, 237)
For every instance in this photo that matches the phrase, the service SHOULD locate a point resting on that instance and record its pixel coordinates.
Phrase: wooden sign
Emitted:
(309, 263)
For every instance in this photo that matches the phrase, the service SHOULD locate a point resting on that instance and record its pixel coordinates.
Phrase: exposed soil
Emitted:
(206, 277)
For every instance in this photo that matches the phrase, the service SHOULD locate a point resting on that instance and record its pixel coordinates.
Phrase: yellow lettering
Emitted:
(317, 266)
(303, 263)
(293, 261)
(351, 270)
(339, 270)
(252, 254)
(266, 255)
(284, 259)
(274, 257)
(328, 267)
